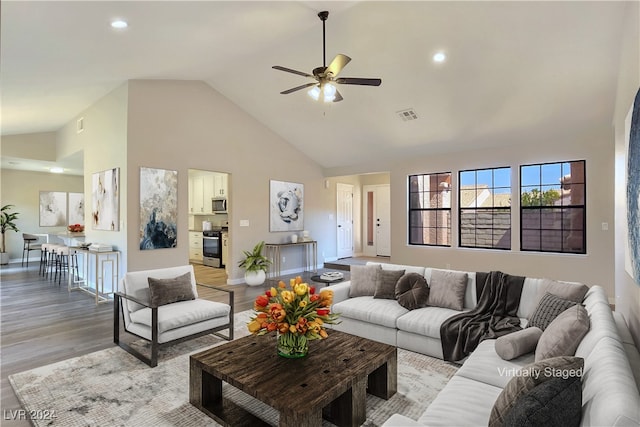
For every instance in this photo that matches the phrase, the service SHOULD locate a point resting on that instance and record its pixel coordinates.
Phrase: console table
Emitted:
(106, 265)
(273, 252)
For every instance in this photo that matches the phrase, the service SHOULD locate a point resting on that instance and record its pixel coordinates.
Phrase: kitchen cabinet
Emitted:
(195, 247)
(220, 185)
(201, 190)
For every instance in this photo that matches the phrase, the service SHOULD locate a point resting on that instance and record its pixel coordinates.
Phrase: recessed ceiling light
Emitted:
(439, 57)
(119, 24)
(56, 170)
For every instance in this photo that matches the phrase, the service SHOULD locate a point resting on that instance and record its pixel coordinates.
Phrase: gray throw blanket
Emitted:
(494, 316)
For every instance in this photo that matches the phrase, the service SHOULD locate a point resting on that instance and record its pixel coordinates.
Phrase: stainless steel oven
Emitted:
(212, 248)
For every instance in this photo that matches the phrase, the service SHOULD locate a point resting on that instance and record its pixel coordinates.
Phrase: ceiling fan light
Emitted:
(329, 91)
(314, 93)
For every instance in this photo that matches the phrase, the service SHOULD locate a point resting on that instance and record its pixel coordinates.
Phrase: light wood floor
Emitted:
(43, 323)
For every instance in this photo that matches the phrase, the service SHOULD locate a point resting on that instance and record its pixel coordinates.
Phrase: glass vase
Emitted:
(292, 346)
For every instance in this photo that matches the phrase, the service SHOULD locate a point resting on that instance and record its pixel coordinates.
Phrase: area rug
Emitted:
(113, 388)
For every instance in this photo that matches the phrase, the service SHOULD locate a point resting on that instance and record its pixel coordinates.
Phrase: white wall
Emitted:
(627, 291)
(594, 268)
(103, 142)
(37, 146)
(22, 189)
(181, 125)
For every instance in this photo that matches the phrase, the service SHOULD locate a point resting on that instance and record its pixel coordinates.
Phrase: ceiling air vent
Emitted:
(407, 115)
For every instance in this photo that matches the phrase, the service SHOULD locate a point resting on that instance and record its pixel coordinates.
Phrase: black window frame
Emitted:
(476, 209)
(438, 208)
(561, 207)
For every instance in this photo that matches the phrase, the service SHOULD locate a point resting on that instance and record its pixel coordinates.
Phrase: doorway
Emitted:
(344, 220)
(377, 220)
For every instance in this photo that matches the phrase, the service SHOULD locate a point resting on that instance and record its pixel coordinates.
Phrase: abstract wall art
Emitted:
(76, 208)
(53, 209)
(158, 208)
(632, 258)
(286, 207)
(105, 200)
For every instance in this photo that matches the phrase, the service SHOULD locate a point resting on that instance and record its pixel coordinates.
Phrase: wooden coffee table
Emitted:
(331, 382)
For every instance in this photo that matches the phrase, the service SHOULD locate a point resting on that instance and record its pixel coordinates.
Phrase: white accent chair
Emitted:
(170, 323)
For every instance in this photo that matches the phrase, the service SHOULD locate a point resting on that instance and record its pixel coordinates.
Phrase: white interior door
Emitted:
(344, 217)
(383, 220)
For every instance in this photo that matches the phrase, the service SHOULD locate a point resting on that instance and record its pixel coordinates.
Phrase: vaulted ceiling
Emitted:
(512, 68)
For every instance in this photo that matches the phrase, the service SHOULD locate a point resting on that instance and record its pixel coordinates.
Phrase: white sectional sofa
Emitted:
(609, 392)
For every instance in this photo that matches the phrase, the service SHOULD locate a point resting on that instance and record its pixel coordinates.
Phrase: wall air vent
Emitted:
(407, 115)
(80, 125)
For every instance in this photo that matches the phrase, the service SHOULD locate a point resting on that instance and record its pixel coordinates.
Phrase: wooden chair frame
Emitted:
(155, 345)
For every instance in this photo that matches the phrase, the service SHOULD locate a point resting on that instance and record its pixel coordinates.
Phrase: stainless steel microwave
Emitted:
(219, 205)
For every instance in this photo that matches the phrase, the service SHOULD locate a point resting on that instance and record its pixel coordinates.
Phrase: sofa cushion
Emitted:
(486, 366)
(363, 280)
(529, 377)
(383, 312)
(412, 291)
(463, 402)
(554, 403)
(549, 307)
(518, 343)
(386, 283)
(447, 289)
(174, 289)
(425, 321)
(534, 289)
(183, 313)
(563, 335)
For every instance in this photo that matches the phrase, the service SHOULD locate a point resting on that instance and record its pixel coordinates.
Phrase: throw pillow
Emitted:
(554, 403)
(518, 343)
(412, 291)
(529, 377)
(564, 334)
(386, 283)
(363, 280)
(572, 291)
(166, 291)
(447, 289)
(549, 307)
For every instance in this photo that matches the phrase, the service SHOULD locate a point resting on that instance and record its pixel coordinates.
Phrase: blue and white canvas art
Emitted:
(158, 208)
(632, 263)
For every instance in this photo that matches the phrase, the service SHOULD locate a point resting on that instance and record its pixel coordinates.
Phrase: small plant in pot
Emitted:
(7, 222)
(255, 265)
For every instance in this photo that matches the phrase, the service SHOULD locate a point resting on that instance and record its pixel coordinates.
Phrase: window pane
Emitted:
(560, 221)
(551, 173)
(467, 198)
(467, 178)
(530, 175)
(502, 177)
(429, 209)
(484, 178)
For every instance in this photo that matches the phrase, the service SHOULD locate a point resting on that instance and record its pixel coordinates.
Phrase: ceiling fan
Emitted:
(323, 87)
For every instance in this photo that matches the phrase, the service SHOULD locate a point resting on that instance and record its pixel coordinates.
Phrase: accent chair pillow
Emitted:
(554, 403)
(530, 377)
(447, 289)
(166, 291)
(563, 336)
(412, 291)
(363, 280)
(549, 307)
(518, 343)
(386, 283)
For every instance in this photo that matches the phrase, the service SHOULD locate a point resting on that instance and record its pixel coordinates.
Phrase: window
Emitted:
(485, 208)
(430, 209)
(552, 207)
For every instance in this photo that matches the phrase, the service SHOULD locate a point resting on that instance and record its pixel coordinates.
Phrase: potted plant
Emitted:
(7, 222)
(256, 265)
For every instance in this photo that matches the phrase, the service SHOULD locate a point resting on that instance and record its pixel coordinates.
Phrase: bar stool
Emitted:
(50, 258)
(62, 262)
(27, 241)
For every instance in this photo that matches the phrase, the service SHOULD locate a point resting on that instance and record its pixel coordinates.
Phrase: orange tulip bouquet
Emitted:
(297, 314)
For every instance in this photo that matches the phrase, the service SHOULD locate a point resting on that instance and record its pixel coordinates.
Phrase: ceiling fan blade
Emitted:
(358, 81)
(289, 70)
(288, 91)
(337, 64)
(338, 97)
